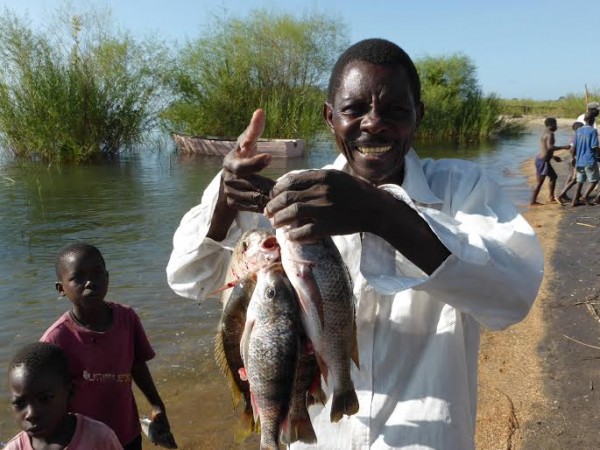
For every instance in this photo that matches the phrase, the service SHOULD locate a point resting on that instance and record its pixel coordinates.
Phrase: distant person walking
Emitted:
(586, 148)
(543, 168)
(572, 178)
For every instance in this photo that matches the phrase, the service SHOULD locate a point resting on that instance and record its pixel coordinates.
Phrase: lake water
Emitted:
(130, 209)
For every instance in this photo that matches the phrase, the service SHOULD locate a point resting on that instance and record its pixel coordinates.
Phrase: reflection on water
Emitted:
(130, 209)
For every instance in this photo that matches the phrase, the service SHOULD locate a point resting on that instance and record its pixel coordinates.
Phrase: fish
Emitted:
(228, 356)
(255, 249)
(324, 289)
(270, 348)
(157, 435)
(307, 392)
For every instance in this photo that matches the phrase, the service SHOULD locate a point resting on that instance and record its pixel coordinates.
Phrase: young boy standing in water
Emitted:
(543, 168)
(106, 347)
(40, 389)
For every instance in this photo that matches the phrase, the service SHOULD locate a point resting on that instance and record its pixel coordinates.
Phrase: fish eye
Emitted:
(270, 293)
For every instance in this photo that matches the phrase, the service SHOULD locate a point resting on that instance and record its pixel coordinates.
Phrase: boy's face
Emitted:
(39, 402)
(374, 119)
(84, 279)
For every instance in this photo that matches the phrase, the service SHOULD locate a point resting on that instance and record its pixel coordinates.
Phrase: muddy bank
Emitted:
(539, 380)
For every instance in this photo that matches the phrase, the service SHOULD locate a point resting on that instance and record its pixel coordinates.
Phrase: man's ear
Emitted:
(420, 111)
(59, 287)
(328, 115)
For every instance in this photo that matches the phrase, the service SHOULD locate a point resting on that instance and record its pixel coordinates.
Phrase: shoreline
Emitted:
(531, 373)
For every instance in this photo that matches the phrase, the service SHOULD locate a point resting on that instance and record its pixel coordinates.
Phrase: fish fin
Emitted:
(223, 365)
(300, 429)
(285, 431)
(322, 366)
(255, 409)
(343, 403)
(246, 425)
(245, 339)
(355, 345)
(222, 288)
(315, 393)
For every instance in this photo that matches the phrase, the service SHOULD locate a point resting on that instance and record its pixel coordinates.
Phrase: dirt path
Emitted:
(538, 382)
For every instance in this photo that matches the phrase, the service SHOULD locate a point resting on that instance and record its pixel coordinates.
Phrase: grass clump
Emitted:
(456, 108)
(76, 92)
(273, 61)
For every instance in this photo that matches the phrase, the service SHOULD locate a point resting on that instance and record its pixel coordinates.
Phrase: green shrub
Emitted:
(455, 107)
(272, 61)
(77, 102)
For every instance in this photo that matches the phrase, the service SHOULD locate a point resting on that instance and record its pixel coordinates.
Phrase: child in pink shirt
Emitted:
(106, 348)
(40, 389)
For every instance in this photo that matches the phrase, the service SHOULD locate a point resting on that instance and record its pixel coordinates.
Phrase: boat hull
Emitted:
(202, 145)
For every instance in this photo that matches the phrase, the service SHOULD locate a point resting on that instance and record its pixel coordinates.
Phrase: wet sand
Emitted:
(539, 380)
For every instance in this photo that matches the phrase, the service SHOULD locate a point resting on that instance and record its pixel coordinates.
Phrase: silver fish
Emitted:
(270, 348)
(324, 289)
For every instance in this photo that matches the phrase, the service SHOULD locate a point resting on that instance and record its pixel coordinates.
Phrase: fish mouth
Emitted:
(373, 150)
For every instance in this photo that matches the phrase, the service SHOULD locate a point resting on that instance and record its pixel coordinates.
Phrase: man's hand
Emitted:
(243, 188)
(320, 203)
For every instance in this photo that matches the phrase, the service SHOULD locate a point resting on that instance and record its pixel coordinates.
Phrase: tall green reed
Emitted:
(78, 101)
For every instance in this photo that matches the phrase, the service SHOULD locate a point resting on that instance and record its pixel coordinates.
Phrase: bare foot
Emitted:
(535, 204)
(577, 203)
(559, 201)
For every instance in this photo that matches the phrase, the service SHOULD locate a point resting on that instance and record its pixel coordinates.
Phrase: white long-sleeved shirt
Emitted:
(418, 335)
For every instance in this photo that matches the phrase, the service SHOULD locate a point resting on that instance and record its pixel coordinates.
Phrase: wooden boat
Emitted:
(207, 145)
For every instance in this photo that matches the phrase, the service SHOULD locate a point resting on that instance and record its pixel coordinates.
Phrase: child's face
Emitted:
(84, 279)
(39, 401)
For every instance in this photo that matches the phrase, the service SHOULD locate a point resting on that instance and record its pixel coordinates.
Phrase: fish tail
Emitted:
(343, 403)
(315, 392)
(300, 429)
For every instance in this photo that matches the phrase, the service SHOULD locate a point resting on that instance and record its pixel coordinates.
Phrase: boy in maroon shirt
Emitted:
(106, 347)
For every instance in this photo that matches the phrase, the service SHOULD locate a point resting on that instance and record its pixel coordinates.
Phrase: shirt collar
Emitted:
(414, 184)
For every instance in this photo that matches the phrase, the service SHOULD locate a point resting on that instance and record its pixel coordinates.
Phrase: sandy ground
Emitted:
(538, 380)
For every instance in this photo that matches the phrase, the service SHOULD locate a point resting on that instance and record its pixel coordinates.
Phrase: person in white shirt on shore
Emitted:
(594, 107)
(434, 248)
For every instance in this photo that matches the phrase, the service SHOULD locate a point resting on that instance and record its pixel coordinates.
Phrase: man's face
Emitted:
(374, 119)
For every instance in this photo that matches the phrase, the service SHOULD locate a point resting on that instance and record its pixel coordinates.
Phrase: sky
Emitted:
(526, 49)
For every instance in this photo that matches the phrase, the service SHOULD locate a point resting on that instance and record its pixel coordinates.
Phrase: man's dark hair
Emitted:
(74, 248)
(39, 357)
(374, 51)
(549, 121)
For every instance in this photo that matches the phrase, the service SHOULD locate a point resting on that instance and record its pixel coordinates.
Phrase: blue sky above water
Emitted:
(522, 49)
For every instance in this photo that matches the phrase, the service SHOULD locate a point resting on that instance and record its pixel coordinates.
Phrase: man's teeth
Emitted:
(374, 150)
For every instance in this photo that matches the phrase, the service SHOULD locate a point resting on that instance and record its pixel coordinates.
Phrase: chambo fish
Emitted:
(324, 289)
(256, 248)
(270, 350)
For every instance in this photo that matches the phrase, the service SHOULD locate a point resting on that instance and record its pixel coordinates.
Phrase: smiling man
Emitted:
(435, 250)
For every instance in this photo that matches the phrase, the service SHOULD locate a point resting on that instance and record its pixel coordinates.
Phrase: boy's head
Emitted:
(576, 125)
(590, 116)
(81, 273)
(40, 388)
(550, 122)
